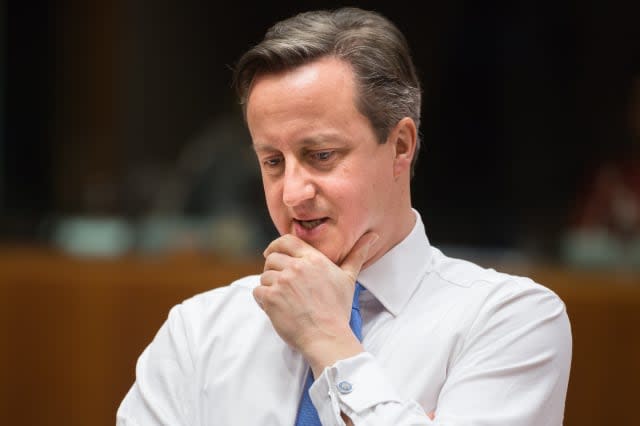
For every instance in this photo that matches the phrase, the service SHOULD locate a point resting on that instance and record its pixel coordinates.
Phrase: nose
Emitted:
(297, 186)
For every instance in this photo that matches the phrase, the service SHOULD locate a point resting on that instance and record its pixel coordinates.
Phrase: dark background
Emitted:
(101, 102)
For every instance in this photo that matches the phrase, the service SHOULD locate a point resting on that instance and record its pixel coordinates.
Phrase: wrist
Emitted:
(324, 353)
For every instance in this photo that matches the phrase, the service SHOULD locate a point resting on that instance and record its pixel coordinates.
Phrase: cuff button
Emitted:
(345, 387)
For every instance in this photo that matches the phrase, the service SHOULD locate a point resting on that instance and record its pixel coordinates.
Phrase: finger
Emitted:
(432, 415)
(287, 244)
(268, 278)
(258, 295)
(276, 261)
(358, 254)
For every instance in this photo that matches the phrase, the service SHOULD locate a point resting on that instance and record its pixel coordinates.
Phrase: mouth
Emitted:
(310, 224)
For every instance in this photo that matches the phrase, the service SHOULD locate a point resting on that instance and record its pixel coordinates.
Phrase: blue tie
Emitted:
(307, 414)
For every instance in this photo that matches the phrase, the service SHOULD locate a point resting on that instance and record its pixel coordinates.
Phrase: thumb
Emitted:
(358, 254)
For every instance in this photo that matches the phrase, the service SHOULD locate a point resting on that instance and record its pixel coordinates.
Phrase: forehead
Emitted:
(314, 98)
(310, 81)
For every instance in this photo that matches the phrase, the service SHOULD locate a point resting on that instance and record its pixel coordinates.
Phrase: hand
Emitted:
(308, 298)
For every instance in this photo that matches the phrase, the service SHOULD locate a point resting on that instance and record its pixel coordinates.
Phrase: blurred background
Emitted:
(127, 182)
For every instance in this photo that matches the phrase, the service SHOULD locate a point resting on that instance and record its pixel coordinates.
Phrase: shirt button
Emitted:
(345, 387)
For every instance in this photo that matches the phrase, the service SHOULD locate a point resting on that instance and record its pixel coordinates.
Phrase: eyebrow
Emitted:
(315, 141)
(259, 147)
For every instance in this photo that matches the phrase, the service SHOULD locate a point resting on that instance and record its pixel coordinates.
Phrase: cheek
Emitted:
(357, 205)
(275, 206)
(366, 200)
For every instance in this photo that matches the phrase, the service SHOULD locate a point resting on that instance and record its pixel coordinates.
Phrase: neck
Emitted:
(403, 222)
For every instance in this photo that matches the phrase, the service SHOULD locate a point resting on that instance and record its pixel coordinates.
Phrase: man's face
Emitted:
(326, 178)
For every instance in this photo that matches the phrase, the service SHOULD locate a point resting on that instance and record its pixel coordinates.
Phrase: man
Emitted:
(332, 103)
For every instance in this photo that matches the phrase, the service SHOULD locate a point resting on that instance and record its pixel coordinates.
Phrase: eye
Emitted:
(271, 162)
(322, 155)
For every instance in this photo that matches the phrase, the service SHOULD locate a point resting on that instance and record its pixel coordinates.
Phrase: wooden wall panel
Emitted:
(72, 330)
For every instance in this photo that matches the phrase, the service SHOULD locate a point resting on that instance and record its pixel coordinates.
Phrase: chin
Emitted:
(330, 252)
(338, 257)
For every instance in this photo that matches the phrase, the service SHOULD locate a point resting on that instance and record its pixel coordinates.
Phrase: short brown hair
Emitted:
(386, 78)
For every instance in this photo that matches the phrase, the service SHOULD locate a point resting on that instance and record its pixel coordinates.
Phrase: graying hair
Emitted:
(387, 82)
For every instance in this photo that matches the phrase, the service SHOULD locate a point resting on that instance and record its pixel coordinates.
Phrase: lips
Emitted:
(310, 224)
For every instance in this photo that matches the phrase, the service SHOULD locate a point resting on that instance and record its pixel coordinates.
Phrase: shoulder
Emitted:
(475, 279)
(217, 310)
(496, 311)
(487, 296)
(239, 289)
(234, 296)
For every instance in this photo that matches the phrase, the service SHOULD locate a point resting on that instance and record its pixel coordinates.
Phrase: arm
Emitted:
(162, 393)
(512, 369)
(308, 298)
(514, 366)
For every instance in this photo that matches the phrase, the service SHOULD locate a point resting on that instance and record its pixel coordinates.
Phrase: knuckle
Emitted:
(257, 296)
(287, 276)
(267, 304)
(276, 292)
(268, 263)
(271, 300)
(313, 256)
(264, 297)
(258, 292)
(284, 239)
(297, 265)
(264, 280)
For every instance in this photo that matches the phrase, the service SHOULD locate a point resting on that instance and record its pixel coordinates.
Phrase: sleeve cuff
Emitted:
(352, 386)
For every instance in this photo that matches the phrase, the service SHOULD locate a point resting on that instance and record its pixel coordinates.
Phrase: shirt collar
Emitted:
(393, 278)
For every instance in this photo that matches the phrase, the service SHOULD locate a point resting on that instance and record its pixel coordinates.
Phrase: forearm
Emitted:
(357, 391)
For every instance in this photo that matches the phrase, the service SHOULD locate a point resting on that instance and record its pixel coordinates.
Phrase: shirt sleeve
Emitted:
(512, 368)
(163, 391)
(357, 386)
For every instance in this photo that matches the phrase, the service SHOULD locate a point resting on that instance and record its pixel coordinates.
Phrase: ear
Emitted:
(404, 139)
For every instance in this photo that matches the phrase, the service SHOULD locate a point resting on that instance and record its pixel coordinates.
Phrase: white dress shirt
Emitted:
(476, 346)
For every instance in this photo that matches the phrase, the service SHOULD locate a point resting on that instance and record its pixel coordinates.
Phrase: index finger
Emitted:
(288, 244)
